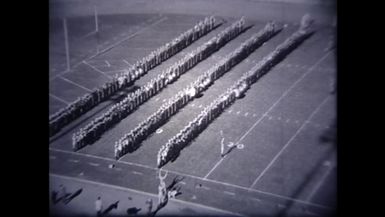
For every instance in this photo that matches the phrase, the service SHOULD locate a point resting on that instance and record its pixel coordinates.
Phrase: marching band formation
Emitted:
(131, 141)
(172, 148)
(83, 104)
(117, 112)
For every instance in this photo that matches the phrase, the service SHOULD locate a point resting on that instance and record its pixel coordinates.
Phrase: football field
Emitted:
(283, 165)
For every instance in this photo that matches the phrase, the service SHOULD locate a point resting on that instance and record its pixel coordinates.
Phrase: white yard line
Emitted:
(137, 173)
(93, 164)
(76, 84)
(86, 35)
(125, 61)
(112, 46)
(289, 142)
(215, 166)
(319, 184)
(192, 176)
(284, 94)
(60, 99)
(271, 108)
(230, 193)
(96, 69)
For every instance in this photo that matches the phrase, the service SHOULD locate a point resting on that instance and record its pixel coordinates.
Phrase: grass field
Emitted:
(284, 168)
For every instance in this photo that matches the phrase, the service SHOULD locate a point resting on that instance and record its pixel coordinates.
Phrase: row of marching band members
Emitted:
(131, 140)
(87, 134)
(172, 148)
(83, 104)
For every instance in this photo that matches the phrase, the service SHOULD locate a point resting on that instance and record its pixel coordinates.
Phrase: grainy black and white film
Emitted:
(192, 108)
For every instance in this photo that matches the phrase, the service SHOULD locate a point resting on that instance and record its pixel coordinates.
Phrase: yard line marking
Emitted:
(238, 112)
(115, 71)
(73, 161)
(142, 192)
(183, 183)
(93, 164)
(137, 173)
(60, 99)
(215, 166)
(100, 71)
(271, 108)
(108, 64)
(102, 158)
(289, 142)
(195, 177)
(285, 93)
(86, 35)
(126, 62)
(134, 34)
(319, 184)
(76, 84)
(230, 193)
(112, 46)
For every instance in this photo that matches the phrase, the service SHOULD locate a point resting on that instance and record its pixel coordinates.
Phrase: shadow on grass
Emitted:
(111, 207)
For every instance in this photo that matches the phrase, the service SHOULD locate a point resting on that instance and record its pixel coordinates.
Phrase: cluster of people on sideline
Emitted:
(83, 104)
(96, 127)
(131, 141)
(172, 148)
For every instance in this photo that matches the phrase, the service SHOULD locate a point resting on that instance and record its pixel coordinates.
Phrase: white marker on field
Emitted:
(125, 61)
(66, 44)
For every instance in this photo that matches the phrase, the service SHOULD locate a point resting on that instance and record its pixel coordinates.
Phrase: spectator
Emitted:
(98, 207)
